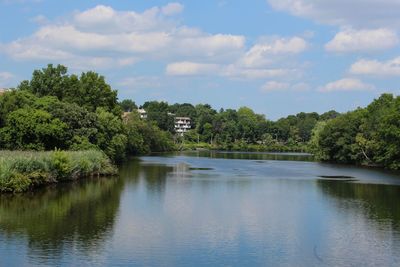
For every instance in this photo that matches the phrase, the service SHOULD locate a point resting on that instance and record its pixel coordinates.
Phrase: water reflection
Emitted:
(189, 209)
(70, 216)
(379, 202)
(245, 155)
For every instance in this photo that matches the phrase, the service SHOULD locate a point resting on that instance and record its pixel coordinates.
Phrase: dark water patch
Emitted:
(200, 169)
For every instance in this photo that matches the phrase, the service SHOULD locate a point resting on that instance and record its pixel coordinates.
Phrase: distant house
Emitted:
(2, 91)
(182, 125)
(142, 113)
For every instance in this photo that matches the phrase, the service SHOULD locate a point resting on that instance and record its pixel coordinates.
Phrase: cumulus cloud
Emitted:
(238, 73)
(265, 59)
(357, 13)
(265, 52)
(103, 37)
(347, 84)
(284, 86)
(172, 9)
(107, 33)
(231, 71)
(350, 40)
(190, 68)
(375, 67)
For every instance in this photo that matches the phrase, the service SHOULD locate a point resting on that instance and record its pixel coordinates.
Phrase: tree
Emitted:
(158, 112)
(51, 81)
(110, 133)
(89, 90)
(13, 100)
(127, 105)
(94, 92)
(337, 140)
(28, 128)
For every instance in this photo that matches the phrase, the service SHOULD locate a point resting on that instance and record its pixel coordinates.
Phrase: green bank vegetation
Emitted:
(22, 170)
(367, 136)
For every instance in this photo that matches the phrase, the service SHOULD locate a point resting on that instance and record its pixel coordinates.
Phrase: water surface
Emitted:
(209, 209)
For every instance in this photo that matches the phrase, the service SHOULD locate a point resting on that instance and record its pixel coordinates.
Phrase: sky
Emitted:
(278, 57)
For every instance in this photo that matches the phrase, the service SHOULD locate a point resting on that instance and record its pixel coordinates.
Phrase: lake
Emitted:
(209, 209)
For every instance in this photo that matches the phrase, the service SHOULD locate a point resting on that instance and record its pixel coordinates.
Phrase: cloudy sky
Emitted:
(278, 57)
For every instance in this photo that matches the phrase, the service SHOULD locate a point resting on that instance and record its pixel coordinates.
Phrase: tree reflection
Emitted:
(53, 218)
(248, 155)
(380, 202)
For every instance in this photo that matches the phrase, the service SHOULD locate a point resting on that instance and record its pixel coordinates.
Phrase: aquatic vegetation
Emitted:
(23, 170)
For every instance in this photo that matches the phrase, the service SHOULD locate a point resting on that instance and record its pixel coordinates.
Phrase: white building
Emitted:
(182, 125)
(142, 113)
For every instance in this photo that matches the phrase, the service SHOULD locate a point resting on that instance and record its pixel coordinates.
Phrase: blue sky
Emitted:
(278, 57)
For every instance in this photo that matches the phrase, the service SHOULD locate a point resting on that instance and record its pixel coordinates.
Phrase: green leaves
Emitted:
(90, 90)
(369, 136)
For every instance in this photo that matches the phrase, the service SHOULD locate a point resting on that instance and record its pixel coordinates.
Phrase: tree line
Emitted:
(55, 109)
(231, 129)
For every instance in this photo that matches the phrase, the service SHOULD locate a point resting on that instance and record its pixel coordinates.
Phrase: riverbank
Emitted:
(21, 171)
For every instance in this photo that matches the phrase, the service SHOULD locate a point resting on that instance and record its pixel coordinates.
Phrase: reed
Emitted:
(23, 170)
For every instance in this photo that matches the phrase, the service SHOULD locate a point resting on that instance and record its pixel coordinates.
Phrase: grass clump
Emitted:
(21, 170)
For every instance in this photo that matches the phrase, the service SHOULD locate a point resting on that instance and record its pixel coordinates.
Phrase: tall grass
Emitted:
(22, 170)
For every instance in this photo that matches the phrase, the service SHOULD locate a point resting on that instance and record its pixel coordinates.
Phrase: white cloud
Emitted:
(102, 32)
(274, 86)
(231, 71)
(235, 71)
(190, 68)
(357, 13)
(103, 37)
(350, 40)
(265, 52)
(347, 84)
(284, 86)
(172, 9)
(375, 67)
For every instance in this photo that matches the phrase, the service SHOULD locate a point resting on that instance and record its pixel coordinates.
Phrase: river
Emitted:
(209, 209)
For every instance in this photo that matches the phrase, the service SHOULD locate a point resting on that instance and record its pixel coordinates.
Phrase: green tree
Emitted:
(28, 128)
(127, 105)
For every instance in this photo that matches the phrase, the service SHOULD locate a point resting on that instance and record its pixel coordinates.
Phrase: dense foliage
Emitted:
(368, 136)
(71, 112)
(20, 171)
(57, 110)
(240, 129)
